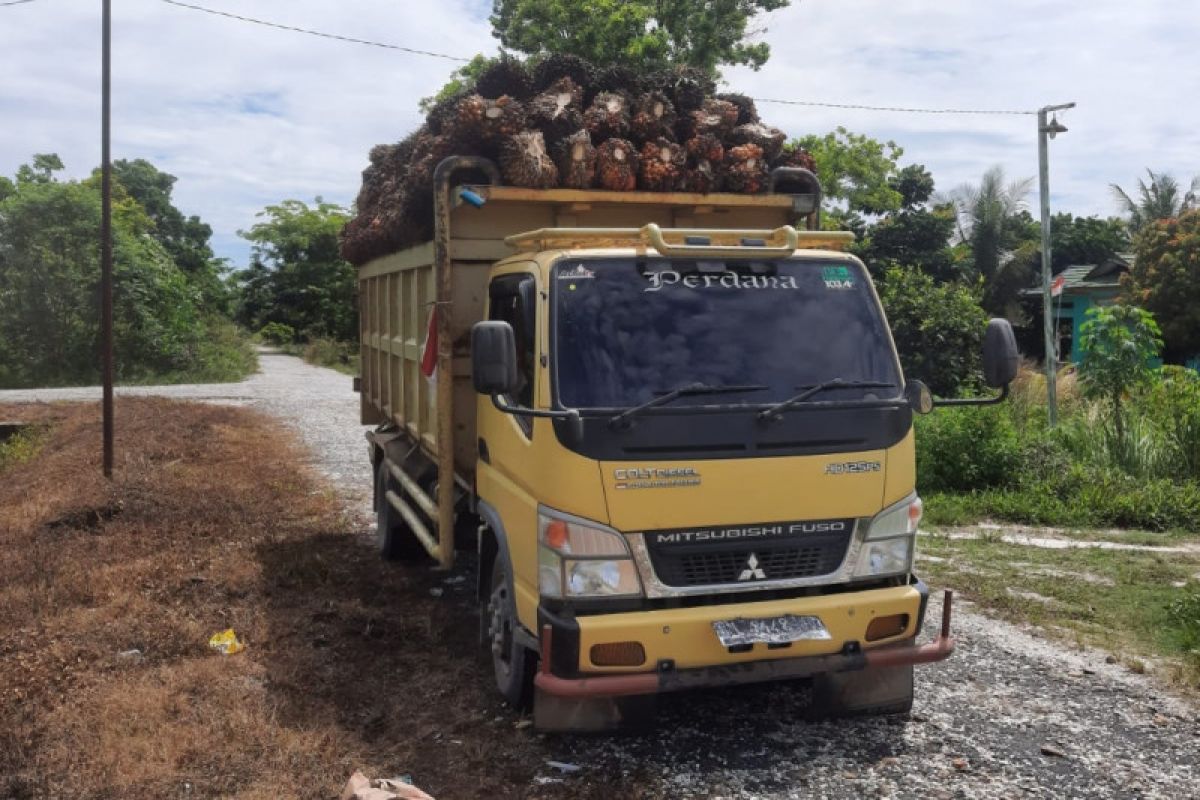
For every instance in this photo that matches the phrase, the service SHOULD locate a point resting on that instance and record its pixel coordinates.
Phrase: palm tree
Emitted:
(989, 220)
(985, 217)
(1163, 198)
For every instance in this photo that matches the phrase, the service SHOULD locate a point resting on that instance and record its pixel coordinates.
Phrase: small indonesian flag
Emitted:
(1056, 285)
(429, 355)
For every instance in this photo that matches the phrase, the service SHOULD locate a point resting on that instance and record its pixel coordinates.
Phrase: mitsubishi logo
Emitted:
(752, 572)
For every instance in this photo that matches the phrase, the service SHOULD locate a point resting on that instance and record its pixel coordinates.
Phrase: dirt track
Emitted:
(1009, 715)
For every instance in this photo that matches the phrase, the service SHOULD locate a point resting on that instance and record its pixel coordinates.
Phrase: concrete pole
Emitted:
(1044, 132)
(106, 245)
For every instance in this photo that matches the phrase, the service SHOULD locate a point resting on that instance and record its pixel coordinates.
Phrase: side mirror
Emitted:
(1000, 356)
(918, 396)
(494, 358)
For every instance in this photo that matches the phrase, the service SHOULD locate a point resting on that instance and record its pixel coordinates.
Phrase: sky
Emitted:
(246, 116)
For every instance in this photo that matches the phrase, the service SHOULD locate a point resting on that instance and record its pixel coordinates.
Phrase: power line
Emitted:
(810, 103)
(859, 107)
(294, 29)
(15, 3)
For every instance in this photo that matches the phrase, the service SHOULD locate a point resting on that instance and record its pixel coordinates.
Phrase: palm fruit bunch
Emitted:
(716, 117)
(616, 165)
(505, 75)
(705, 157)
(686, 86)
(795, 157)
(746, 169)
(653, 116)
(769, 139)
(482, 120)
(563, 65)
(575, 157)
(747, 111)
(620, 78)
(662, 163)
(559, 121)
(558, 111)
(608, 116)
(525, 162)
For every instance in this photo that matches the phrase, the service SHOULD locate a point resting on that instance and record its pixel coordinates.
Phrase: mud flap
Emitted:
(553, 714)
(866, 692)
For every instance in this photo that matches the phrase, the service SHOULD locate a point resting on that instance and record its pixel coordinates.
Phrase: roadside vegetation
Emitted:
(172, 302)
(109, 593)
(1142, 606)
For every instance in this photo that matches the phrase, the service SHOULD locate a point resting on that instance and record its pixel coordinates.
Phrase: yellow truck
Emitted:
(675, 428)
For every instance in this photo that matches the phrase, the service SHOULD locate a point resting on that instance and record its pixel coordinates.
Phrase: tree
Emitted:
(857, 170)
(1118, 344)
(916, 235)
(1084, 240)
(297, 276)
(641, 34)
(186, 239)
(1001, 234)
(49, 286)
(1165, 280)
(1162, 198)
(938, 328)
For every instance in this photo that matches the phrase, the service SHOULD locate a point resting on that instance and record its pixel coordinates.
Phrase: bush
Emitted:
(965, 449)
(938, 329)
(342, 356)
(1174, 402)
(277, 333)
(1184, 613)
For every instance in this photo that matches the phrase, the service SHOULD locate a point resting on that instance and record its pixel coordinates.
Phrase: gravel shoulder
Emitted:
(1010, 714)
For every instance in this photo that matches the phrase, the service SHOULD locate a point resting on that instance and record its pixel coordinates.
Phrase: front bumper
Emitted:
(751, 667)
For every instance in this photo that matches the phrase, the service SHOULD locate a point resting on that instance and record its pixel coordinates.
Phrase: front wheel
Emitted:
(512, 663)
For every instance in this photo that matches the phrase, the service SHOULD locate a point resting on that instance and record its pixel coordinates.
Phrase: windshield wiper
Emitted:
(776, 411)
(666, 397)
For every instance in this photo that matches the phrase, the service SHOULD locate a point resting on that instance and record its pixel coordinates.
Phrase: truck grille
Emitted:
(749, 554)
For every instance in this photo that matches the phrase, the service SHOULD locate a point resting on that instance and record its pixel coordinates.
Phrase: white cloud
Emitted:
(246, 116)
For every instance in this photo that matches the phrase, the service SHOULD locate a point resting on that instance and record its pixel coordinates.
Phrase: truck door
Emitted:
(504, 470)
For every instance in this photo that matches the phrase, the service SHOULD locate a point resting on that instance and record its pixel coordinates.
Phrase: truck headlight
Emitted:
(578, 558)
(888, 545)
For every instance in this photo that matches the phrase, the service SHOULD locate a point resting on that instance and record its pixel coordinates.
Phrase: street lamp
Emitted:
(1048, 130)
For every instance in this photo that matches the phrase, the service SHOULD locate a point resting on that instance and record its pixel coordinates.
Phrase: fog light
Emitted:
(618, 654)
(885, 627)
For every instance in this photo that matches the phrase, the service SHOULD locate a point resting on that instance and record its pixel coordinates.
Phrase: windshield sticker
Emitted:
(837, 277)
(579, 273)
(724, 280)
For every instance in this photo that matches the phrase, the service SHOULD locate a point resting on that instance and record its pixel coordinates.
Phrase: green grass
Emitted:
(1122, 601)
(21, 446)
(342, 356)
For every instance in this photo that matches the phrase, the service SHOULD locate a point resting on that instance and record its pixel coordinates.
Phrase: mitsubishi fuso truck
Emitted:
(675, 427)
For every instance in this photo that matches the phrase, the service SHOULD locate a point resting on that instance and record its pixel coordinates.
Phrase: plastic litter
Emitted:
(226, 642)
(564, 767)
(360, 787)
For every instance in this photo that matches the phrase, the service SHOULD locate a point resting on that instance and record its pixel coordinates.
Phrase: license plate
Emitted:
(769, 630)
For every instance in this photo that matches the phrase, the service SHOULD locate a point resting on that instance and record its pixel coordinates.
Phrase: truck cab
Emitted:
(693, 465)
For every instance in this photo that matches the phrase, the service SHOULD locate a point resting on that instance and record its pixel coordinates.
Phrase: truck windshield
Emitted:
(628, 330)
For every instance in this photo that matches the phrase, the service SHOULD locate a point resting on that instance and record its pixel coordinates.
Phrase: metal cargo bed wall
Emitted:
(397, 292)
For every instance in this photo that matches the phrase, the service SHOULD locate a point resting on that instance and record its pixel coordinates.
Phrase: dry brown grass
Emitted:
(213, 522)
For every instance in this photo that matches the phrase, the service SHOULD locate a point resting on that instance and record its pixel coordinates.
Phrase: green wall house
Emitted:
(1083, 286)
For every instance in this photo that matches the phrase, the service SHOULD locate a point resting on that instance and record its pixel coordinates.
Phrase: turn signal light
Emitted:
(886, 627)
(557, 534)
(618, 654)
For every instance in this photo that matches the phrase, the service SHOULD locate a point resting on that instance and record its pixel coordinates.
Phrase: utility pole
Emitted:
(106, 249)
(1047, 130)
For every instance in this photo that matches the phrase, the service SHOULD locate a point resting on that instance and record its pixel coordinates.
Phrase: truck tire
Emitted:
(394, 538)
(512, 663)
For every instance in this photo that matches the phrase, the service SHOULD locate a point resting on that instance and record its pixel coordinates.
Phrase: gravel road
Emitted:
(1011, 714)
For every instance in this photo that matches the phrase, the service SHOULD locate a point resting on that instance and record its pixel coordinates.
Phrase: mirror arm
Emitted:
(518, 411)
(972, 401)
